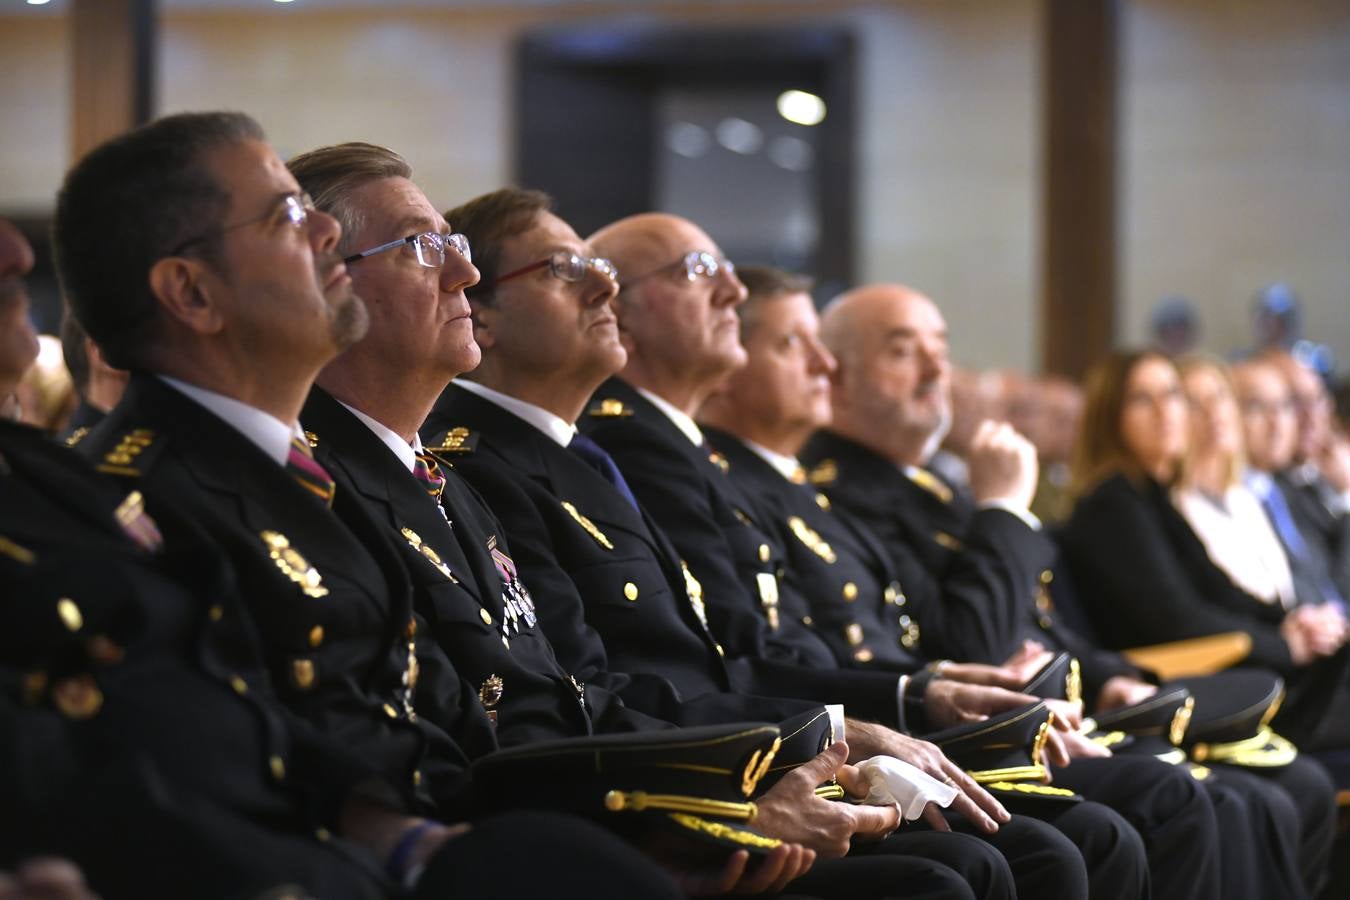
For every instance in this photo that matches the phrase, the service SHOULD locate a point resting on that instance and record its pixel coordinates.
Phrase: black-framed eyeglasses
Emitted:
(430, 247)
(564, 265)
(697, 264)
(297, 208)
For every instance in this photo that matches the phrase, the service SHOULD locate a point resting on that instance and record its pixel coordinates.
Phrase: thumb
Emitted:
(823, 767)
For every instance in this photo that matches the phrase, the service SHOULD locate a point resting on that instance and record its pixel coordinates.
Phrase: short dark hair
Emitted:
(489, 220)
(330, 174)
(125, 206)
(766, 283)
(72, 349)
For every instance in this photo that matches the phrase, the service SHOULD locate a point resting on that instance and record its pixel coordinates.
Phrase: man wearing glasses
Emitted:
(224, 327)
(466, 584)
(619, 598)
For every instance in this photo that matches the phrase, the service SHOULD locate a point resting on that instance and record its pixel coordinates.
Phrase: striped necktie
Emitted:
(311, 476)
(428, 474)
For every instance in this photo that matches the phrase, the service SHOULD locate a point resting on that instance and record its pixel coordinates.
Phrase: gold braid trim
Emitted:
(640, 801)
(725, 832)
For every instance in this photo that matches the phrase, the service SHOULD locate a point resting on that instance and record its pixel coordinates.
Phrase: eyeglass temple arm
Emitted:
(523, 270)
(380, 249)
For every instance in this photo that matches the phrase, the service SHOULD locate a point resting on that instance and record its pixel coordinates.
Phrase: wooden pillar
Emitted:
(113, 52)
(1080, 92)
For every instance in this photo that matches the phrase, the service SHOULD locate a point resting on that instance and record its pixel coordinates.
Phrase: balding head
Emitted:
(18, 341)
(676, 306)
(892, 389)
(1269, 418)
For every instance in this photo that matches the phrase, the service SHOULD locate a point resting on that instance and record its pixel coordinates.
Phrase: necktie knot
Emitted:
(428, 472)
(311, 476)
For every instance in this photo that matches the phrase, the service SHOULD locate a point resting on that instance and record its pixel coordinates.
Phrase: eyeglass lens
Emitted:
(431, 248)
(701, 262)
(572, 268)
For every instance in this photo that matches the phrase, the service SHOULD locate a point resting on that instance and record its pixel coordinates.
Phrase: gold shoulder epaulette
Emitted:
(825, 472)
(128, 457)
(609, 408)
(457, 440)
(76, 436)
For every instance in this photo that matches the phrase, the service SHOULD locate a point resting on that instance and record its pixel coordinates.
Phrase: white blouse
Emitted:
(1240, 540)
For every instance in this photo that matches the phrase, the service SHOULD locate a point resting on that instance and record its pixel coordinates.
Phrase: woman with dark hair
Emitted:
(1144, 575)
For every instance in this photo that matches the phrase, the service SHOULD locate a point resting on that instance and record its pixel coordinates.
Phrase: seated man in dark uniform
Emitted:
(190, 255)
(983, 552)
(548, 340)
(111, 619)
(363, 415)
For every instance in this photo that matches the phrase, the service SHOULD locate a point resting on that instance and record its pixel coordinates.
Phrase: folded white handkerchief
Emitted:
(893, 780)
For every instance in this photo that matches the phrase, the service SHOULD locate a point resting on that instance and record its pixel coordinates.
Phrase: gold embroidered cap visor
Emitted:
(1231, 722)
(692, 786)
(1004, 753)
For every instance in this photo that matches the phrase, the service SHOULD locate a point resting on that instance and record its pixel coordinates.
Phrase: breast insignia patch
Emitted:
(823, 473)
(457, 440)
(609, 408)
(430, 555)
(120, 459)
(812, 539)
(293, 565)
(588, 526)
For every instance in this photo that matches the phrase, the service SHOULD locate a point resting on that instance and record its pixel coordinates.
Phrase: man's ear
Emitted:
(484, 324)
(184, 289)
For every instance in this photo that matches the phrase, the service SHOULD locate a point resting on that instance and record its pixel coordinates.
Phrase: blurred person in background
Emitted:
(1211, 494)
(1175, 325)
(45, 396)
(1316, 480)
(1143, 573)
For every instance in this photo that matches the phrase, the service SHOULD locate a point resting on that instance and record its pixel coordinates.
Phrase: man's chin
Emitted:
(348, 319)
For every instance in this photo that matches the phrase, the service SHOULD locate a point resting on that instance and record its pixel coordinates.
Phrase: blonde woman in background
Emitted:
(1210, 494)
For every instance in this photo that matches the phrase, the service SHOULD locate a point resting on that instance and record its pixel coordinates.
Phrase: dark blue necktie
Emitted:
(601, 461)
(1272, 498)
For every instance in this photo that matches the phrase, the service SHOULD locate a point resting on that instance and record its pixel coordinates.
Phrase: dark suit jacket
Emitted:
(125, 745)
(974, 577)
(1325, 530)
(857, 603)
(713, 529)
(336, 638)
(1145, 577)
(538, 698)
(609, 590)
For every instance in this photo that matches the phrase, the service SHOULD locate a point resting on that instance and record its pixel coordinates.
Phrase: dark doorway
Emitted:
(619, 119)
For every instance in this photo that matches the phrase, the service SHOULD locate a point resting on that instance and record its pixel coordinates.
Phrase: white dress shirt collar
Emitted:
(787, 466)
(406, 453)
(555, 427)
(271, 435)
(681, 419)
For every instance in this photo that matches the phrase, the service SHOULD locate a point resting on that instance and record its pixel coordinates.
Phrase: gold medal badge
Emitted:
(293, 565)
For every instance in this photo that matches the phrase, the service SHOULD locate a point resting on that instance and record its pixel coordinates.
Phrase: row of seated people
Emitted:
(375, 506)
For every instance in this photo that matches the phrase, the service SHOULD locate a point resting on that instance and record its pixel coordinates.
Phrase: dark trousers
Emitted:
(1170, 811)
(1310, 789)
(540, 854)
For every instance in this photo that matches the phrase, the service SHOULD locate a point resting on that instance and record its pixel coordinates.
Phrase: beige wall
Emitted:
(1236, 162)
(947, 144)
(34, 111)
(1235, 153)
